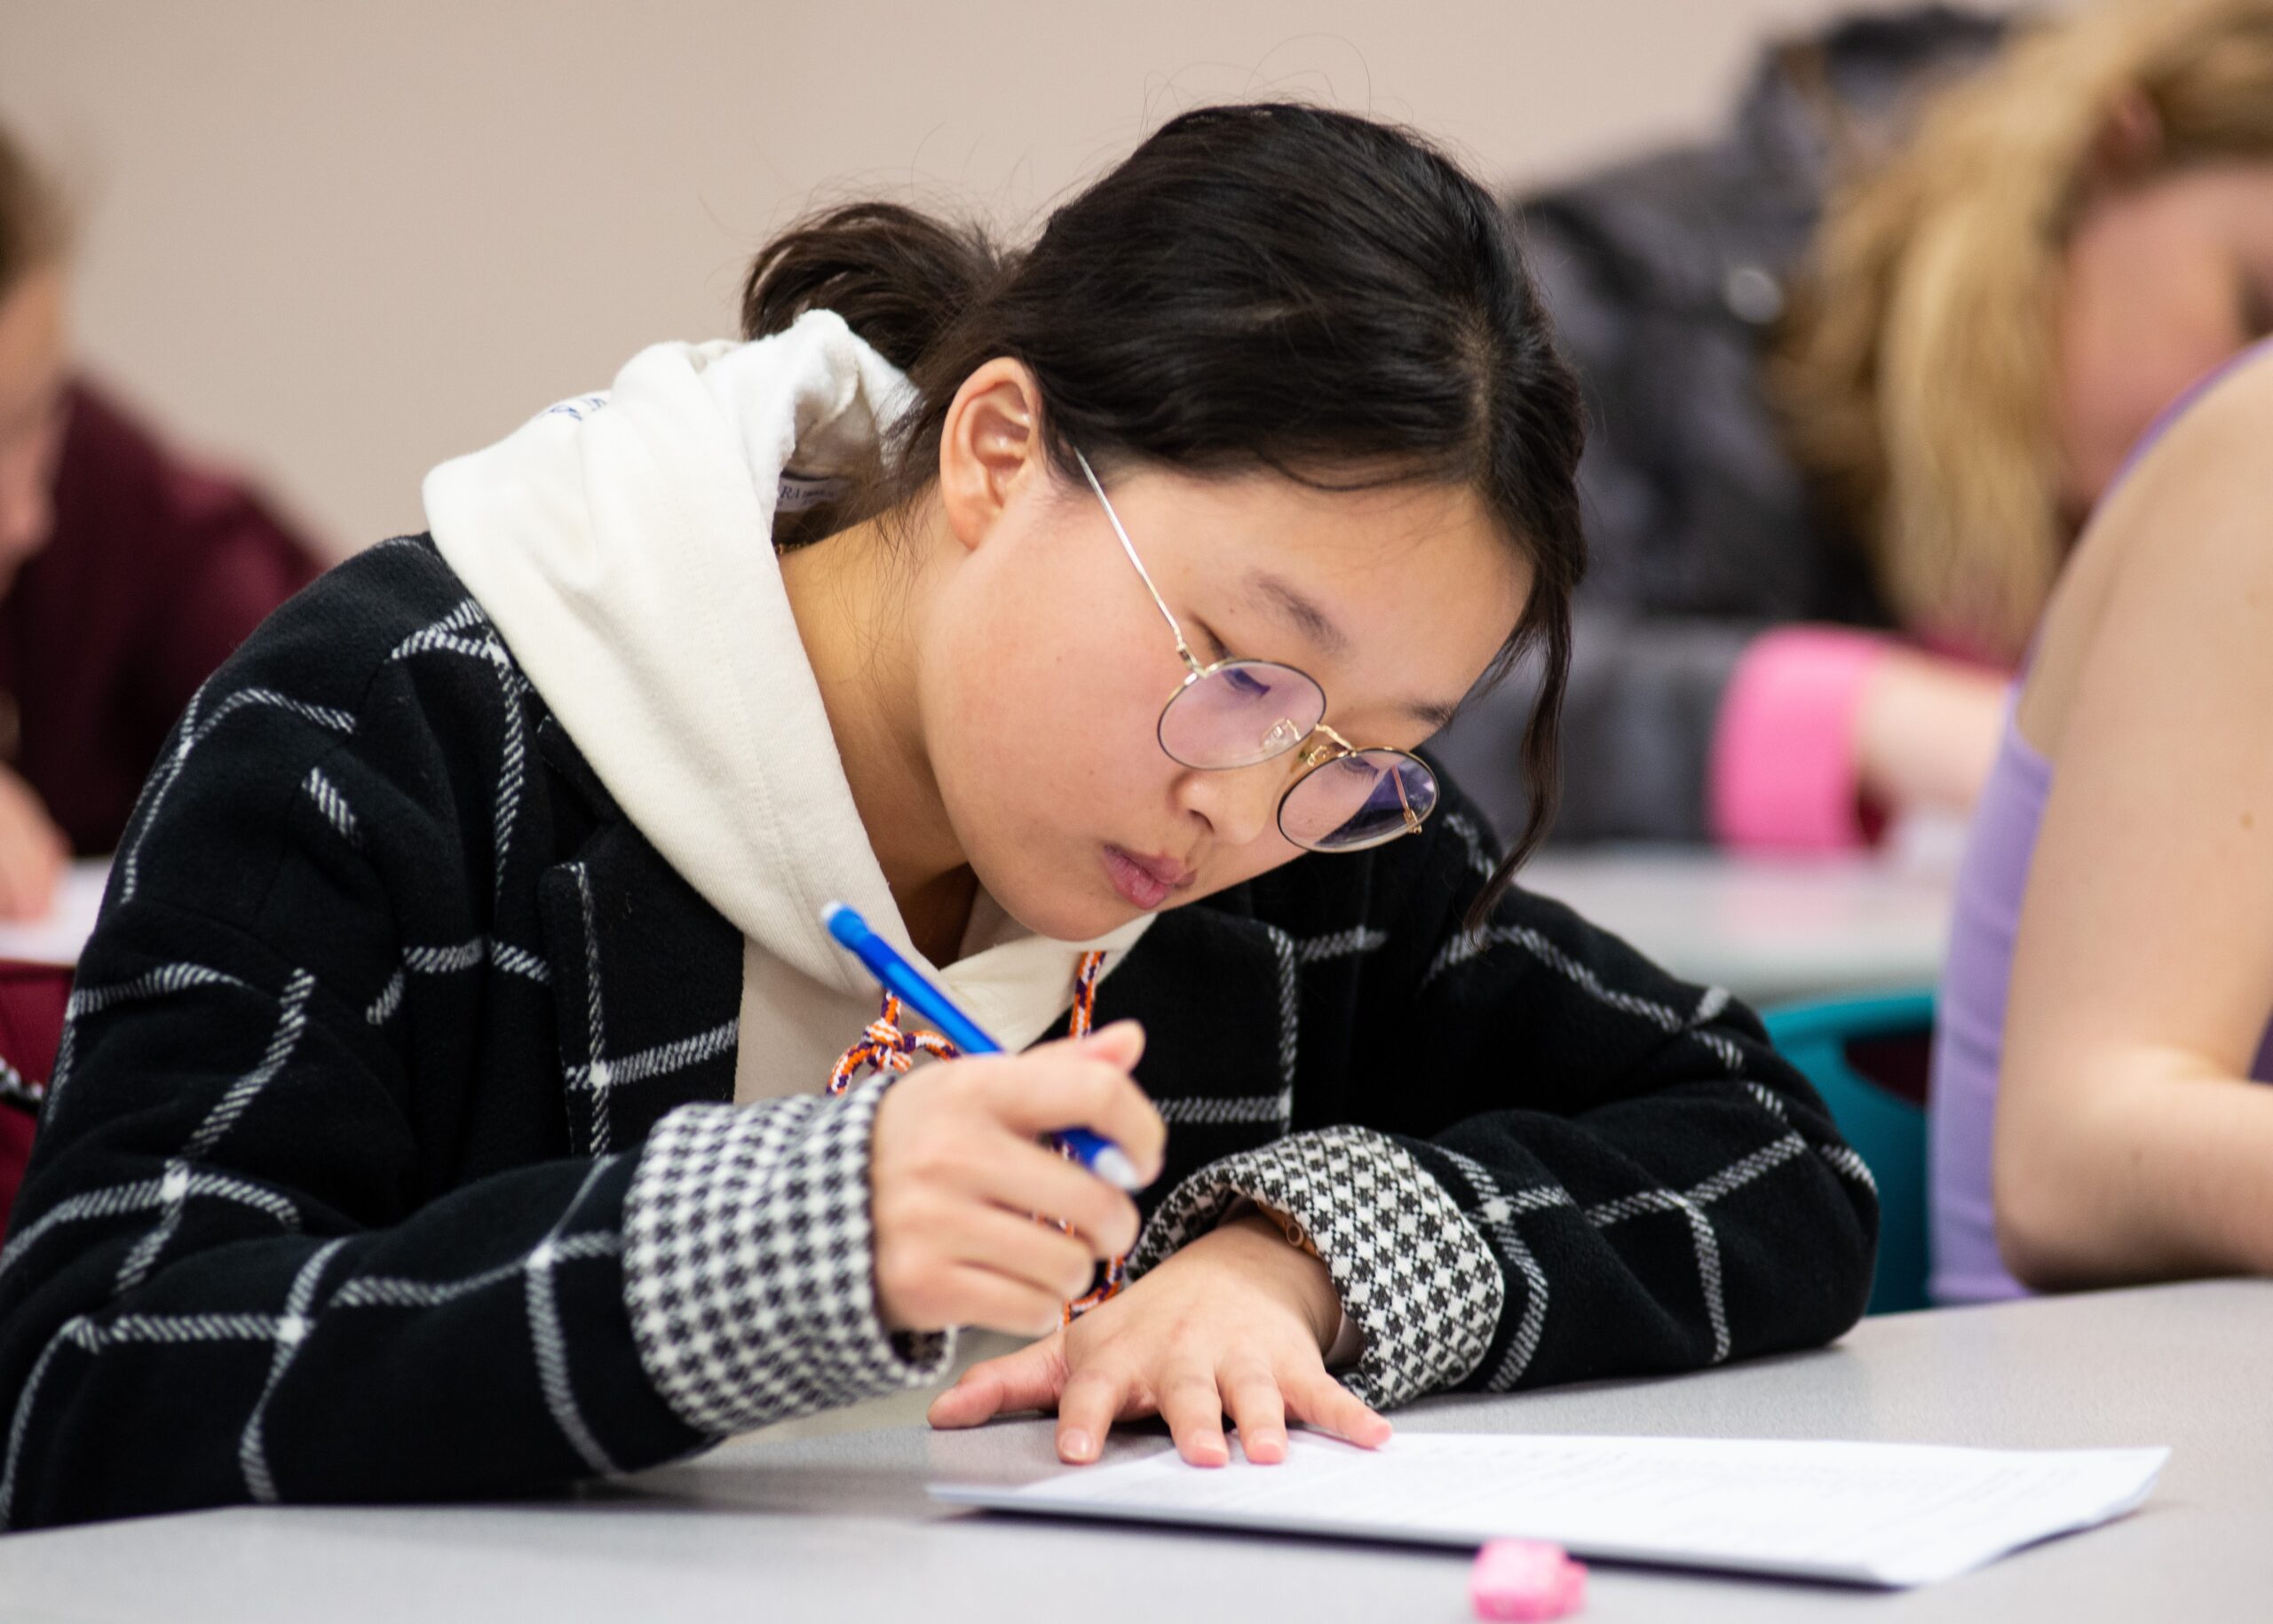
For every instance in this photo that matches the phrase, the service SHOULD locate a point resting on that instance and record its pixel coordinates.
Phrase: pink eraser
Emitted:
(1527, 1579)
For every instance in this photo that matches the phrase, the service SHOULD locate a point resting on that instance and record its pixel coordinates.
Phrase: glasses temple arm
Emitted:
(1129, 548)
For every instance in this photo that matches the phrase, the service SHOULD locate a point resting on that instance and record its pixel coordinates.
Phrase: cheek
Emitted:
(2150, 309)
(2147, 368)
(1039, 726)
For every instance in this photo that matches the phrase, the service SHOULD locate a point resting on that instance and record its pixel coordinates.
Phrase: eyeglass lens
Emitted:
(1359, 800)
(1240, 713)
(1247, 711)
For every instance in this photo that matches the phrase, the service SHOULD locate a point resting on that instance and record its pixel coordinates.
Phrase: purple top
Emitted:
(1970, 1014)
(1970, 1023)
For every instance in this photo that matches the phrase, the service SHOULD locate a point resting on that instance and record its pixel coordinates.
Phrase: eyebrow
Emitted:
(1294, 606)
(1308, 618)
(1438, 716)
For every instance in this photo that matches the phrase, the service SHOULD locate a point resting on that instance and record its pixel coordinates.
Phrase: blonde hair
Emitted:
(1917, 375)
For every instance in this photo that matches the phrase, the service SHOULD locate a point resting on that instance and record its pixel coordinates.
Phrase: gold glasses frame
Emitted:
(1313, 747)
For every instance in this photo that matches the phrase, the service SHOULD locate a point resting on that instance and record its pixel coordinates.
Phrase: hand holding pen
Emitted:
(956, 1170)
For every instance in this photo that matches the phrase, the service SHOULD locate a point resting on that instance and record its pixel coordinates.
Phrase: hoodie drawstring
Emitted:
(885, 1046)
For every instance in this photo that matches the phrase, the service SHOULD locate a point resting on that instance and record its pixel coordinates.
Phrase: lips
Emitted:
(1144, 881)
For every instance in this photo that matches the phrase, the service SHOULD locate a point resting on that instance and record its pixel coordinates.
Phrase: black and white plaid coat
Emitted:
(389, 1155)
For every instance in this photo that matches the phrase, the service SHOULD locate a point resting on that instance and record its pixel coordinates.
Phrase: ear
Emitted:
(989, 446)
(2130, 142)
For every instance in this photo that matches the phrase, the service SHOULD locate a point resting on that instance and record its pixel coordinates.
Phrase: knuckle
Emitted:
(1094, 1391)
(1081, 1092)
(964, 1081)
(1129, 1221)
(929, 1161)
(901, 1281)
(1111, 1221)
(1192, 1397)
(966, 1087)
(1190, 1341)
(890, 1201)
(920, 1217)
(1074, 1278)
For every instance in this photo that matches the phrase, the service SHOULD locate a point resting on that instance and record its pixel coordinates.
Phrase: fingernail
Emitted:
(1075, 1446)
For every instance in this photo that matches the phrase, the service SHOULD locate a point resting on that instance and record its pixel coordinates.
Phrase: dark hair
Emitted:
(33, 222)
(1277, 285)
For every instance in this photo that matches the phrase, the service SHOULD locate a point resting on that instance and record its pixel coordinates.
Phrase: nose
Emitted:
(1240, 804)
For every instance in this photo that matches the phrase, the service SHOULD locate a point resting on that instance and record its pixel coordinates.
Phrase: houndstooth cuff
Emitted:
(747, 1265)
(1415, 1275)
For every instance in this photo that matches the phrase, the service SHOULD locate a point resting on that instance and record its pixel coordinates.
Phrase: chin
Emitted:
(1060, 912)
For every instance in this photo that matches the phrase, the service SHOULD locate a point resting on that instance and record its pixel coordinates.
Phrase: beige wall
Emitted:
(344, 242)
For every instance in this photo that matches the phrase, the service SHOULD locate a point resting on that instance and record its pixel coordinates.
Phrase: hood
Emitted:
(622, 543)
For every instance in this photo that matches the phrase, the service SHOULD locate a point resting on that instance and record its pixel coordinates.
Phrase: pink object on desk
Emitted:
(1527, 1579)
(1784, 774)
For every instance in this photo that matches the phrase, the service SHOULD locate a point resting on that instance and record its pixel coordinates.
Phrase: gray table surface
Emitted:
(1769, 929)
(837, 1526)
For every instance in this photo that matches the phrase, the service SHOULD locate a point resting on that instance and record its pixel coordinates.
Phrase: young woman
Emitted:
(445, 1110)
(1857, 373)
(126, 576)
(2109, 996)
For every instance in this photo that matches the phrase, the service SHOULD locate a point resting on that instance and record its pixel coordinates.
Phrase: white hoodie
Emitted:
(622, 542)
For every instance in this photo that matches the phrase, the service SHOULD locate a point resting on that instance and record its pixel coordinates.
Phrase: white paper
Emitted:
(1892, 1515)
(57, 938)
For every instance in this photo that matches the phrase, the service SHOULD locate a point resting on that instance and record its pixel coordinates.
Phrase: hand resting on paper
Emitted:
(1235, 1325)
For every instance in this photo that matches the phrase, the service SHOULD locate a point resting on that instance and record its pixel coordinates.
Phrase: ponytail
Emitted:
(897, 277)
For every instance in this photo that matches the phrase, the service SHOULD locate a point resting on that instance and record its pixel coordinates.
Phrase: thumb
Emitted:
(1030, 1379)
(1120, 1044)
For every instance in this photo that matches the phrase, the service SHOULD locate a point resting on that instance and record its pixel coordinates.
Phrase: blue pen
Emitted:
(901, 978)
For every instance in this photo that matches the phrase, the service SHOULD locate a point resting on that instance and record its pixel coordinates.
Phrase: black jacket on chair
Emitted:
(1665, 276)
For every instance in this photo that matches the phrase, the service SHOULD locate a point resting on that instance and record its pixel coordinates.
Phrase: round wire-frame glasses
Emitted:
(1239, 713)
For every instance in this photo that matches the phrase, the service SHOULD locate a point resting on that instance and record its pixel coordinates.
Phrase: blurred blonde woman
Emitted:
(1859, 372)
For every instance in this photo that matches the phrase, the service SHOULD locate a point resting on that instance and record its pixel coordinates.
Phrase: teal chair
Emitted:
(1824, 1039)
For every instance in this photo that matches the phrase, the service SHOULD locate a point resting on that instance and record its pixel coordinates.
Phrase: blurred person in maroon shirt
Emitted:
(125, 575)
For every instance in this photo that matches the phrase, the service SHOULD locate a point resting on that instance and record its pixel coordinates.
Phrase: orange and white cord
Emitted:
(886, 1046)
